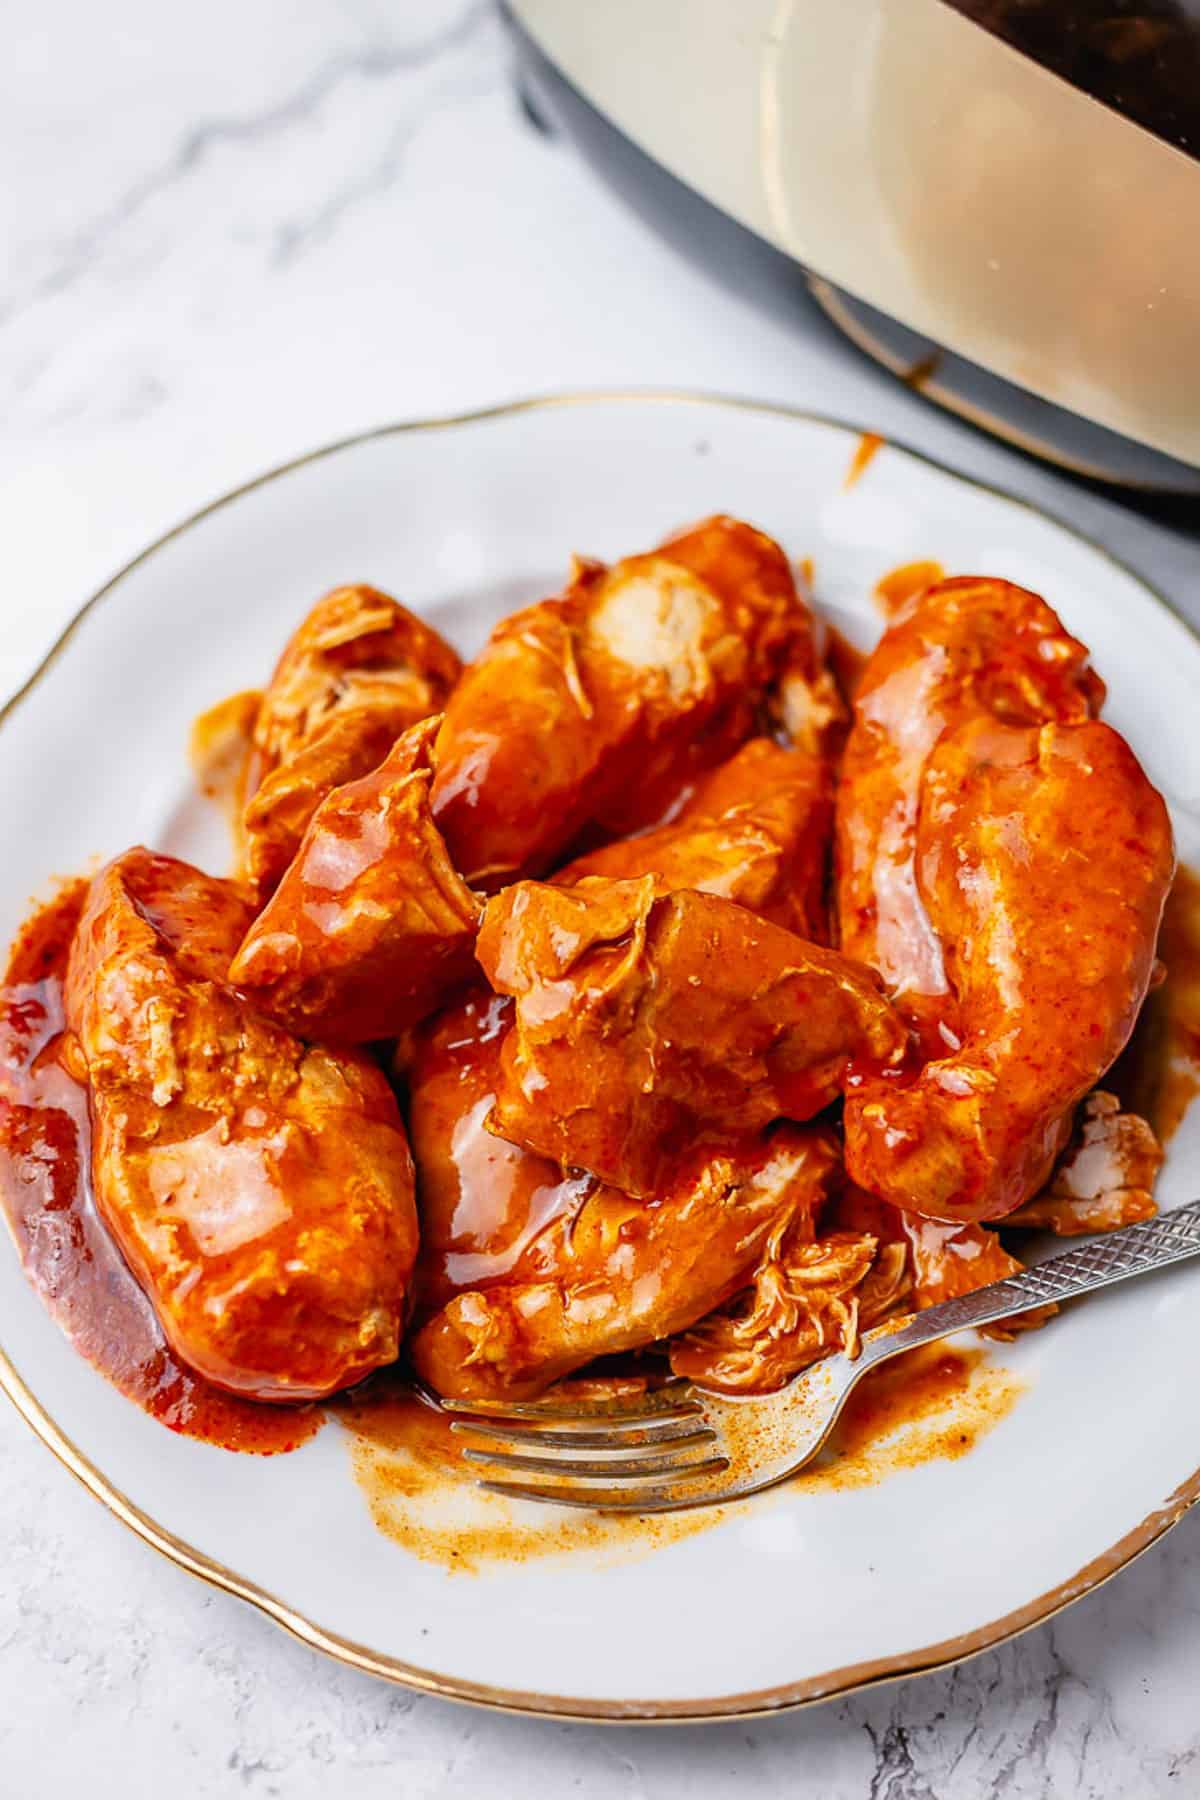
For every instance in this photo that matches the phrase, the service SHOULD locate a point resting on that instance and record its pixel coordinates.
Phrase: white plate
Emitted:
(798, 1594)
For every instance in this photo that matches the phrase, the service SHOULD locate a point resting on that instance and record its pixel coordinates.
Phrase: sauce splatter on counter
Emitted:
(922, 372)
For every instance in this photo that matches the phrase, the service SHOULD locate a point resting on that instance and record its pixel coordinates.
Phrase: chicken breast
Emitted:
(756, 830)
(614, 1274)
(1044, 857)
(596, 708)
(647, 1023)
(1105, 1178)
(959, 650)
(260, 1189)
(482, 1201)
(371, 927)
(944, 1261)
(358, 671)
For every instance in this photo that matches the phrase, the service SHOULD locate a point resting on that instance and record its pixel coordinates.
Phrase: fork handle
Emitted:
(1134, 1250)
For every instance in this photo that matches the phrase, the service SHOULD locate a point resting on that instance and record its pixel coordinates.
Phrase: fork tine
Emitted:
(593, 1468)
(675, 1400)
(617, 1436)
(653, 1500)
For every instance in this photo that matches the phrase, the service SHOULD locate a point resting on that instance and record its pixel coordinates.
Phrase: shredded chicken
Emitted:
(944, 1261)
(810, 1297)
(1105, 1178)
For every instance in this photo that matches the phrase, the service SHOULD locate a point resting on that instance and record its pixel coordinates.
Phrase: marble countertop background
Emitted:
(231, 233)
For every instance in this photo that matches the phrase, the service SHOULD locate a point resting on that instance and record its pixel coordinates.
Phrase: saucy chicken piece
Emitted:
(646, 1023)
(615, 1274)
(1106, 1177)
(1044, 858)
(371, 926)
(944, 1261)
(596, 708)
(260, 1189)
(358, 671)
(756, 830)
(958, 650)
(481, 1200)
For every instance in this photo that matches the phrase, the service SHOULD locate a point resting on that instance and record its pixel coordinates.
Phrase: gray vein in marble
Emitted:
(296, 236)
(895, 1776)
(374, 62)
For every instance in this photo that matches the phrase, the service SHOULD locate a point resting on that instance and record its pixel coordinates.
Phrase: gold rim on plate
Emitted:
(836, 1683)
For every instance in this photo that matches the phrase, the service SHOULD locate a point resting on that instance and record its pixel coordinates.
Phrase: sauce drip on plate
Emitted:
(899, 585)
(930, 1404)
(865, 450)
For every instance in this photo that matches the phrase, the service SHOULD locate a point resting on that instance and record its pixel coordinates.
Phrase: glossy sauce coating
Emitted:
(1044, 859)
(956, 651)
(482, 1200)
(596, 708)
(647, 1024)
(529, 1273)
(615, 1274)
(371, 926)
(944, 1260)
(65, 1248)
(846, 661)
(358, 670)
(756, 830)
(512, 1226)
(261, 1190)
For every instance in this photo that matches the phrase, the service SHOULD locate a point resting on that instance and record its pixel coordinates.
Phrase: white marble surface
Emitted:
(232, 232)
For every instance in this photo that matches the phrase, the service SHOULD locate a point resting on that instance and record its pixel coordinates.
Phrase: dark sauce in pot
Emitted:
(1140, 57)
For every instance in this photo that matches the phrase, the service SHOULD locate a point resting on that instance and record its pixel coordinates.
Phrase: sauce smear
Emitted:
(897, 587)
(930, 1404)
(66, 1251)
(868, 445)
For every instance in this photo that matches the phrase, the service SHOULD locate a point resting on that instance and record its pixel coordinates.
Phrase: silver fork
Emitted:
(678, 1446)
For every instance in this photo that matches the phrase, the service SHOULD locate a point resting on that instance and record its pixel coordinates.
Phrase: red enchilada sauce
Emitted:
(67, 1253)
